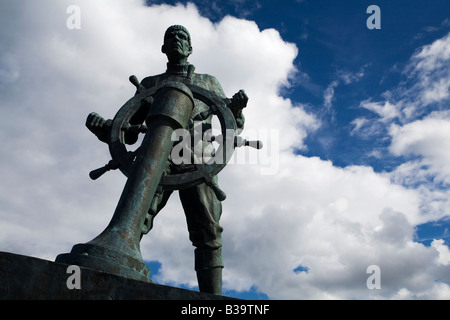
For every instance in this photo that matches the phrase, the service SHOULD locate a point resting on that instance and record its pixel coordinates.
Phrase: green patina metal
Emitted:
(176, 99)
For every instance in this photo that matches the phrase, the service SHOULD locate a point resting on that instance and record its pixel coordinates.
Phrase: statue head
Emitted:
(177, 44)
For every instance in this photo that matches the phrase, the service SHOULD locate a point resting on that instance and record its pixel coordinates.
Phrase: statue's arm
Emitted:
(236, 103)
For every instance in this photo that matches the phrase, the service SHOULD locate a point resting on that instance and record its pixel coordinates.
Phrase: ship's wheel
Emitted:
(123, 159)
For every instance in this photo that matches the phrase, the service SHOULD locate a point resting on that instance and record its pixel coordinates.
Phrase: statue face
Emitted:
(176, 45)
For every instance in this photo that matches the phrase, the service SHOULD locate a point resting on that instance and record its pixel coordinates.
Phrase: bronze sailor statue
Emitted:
(178, 99)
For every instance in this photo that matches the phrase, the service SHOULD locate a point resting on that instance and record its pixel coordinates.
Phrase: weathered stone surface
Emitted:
(28, 278)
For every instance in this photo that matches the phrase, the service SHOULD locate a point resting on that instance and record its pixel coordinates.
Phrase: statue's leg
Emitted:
(210, 280)
(203, 211)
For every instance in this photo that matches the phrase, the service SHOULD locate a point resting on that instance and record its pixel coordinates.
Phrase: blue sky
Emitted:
(355, 169)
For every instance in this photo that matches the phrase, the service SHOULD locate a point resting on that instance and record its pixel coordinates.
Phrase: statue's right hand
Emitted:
(95, 123)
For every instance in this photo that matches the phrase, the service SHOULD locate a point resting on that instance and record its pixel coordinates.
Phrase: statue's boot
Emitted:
(210, 280)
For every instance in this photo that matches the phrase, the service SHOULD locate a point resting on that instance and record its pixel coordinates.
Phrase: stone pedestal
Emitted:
(28, 278)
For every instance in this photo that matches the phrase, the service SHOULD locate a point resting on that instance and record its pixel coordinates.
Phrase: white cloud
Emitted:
(334, 221)
(341, 76)
(427, 138)
(430, 66)
(385, 110)
(328, 94)
(444, 252)
(426, 141)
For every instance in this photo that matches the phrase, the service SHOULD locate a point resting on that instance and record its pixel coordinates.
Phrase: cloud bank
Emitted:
(302, 229)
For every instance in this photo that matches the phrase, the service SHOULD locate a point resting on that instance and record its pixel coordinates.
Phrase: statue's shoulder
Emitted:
(205, 78)
(208, 82)
(152, 81)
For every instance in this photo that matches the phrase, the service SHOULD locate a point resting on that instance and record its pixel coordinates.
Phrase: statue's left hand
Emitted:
(99, 126)
(95, 123)
(239, 101)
